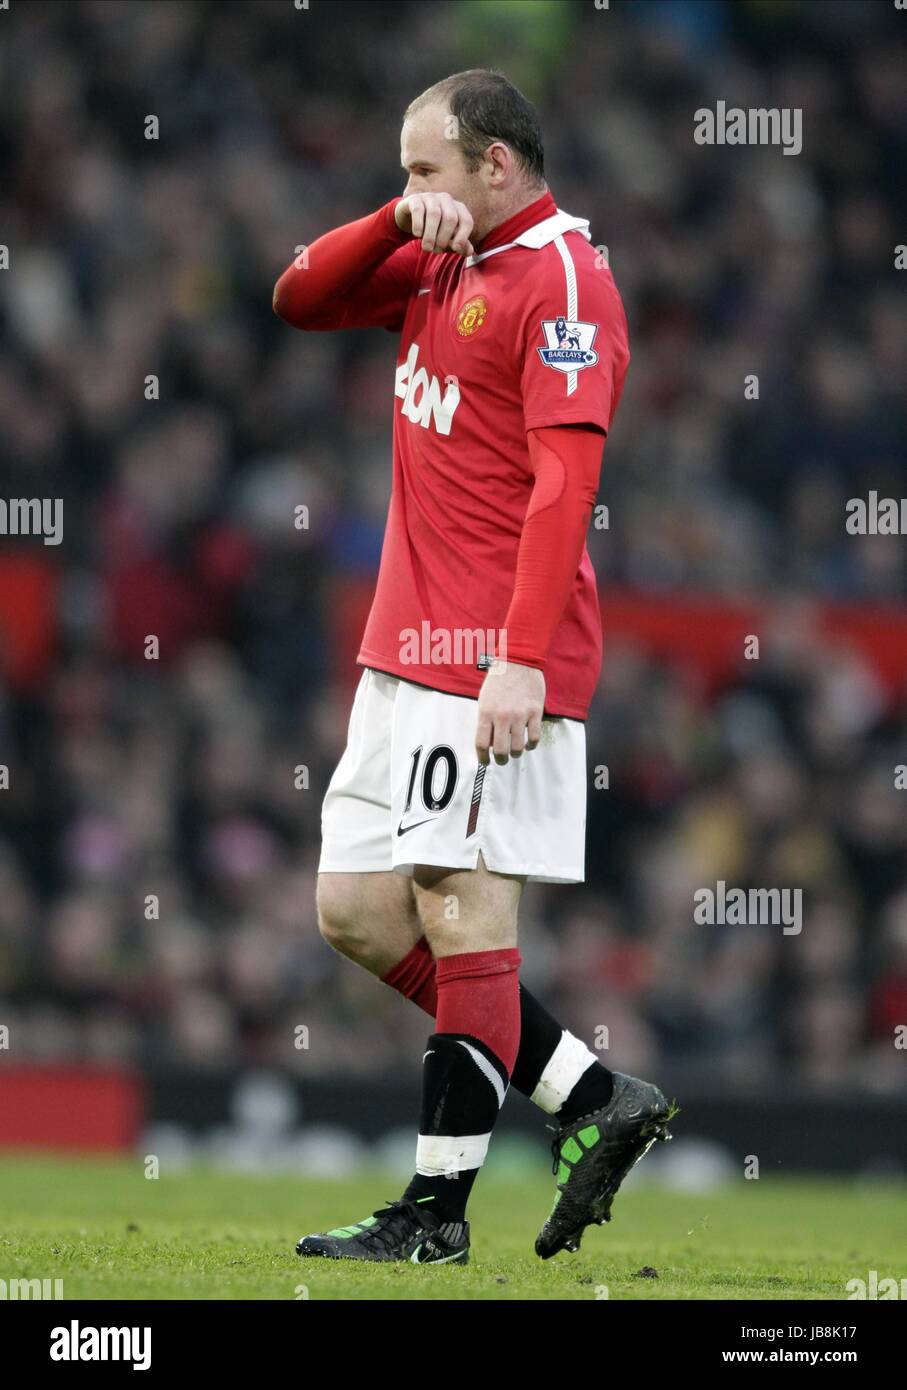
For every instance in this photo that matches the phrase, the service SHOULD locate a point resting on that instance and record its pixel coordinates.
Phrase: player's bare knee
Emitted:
(336, 912)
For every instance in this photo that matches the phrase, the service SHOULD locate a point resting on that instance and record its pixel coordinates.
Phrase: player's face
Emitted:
(434, 162)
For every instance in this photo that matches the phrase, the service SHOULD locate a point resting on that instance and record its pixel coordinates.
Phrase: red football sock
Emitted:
(414, 977)
(479, 994)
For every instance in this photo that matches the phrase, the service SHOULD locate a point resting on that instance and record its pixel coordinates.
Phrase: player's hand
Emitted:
(441, 222)
(511, 703)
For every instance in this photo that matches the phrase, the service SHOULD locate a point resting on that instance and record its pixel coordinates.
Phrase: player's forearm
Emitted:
(321, 293)
(567, 462)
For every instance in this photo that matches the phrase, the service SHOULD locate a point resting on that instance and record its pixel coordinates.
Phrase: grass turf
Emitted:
(110, 1233)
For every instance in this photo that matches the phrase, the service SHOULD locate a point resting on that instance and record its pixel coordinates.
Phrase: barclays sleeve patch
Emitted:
(568, 344)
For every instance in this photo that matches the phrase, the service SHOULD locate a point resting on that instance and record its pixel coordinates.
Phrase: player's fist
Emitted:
(511, 704)
(439, 220)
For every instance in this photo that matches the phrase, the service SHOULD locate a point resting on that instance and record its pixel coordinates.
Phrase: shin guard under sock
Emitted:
(466, 1071)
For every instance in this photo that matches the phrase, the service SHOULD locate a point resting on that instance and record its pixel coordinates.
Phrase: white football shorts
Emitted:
(410, 790)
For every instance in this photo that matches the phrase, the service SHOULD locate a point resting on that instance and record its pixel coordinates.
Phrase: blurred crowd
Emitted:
(159, 836)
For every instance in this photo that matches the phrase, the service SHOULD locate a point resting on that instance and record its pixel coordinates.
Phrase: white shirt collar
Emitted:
(542, 234)
(550, 227)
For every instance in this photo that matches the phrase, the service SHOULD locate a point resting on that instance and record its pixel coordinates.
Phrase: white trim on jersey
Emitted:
(572, 298)
(542, 234)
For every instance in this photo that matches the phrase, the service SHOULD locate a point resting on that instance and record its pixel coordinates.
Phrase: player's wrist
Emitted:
(401, 232)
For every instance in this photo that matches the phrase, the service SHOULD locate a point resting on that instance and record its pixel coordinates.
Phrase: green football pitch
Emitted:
(109, 1232)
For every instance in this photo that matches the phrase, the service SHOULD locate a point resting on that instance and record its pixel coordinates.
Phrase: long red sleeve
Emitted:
(356, 276)
(566, 460)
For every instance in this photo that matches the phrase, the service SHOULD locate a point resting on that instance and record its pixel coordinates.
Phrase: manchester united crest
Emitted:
(471, 316)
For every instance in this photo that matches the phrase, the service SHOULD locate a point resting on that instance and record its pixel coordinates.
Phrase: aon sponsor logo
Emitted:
(423, 402)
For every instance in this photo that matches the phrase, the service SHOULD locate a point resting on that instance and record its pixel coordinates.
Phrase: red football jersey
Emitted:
(528, 332)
